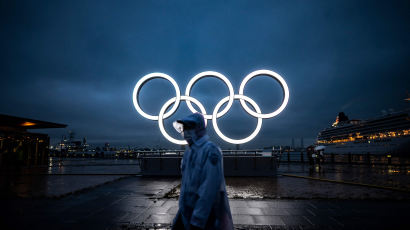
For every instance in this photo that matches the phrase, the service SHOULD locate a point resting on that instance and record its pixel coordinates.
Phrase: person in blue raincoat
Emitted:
(203, 201)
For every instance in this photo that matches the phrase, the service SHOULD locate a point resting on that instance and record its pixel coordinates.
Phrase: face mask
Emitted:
(189, 135)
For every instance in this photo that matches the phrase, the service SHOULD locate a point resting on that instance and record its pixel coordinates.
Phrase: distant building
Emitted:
(18, 147)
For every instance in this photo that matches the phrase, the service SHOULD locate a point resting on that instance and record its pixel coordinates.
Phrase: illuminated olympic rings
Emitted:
(216, 113)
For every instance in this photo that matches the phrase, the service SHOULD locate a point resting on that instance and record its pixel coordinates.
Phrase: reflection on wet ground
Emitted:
(381, 175)
(65, 176)
(291, 187)
(299, 188)
(134, 202)
(282, 187)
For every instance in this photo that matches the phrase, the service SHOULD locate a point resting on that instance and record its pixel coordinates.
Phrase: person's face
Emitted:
(186, 130)
(188, 135)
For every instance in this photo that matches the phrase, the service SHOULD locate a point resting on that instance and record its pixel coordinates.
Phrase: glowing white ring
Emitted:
(230, 140)
(258, 114)
(210, 74)
(142, 81)
(161, 117)
(276, 77)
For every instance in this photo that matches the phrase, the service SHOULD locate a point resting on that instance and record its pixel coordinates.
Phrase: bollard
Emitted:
(349, 158)
(301, 156)
(332, 157)
(388, 159)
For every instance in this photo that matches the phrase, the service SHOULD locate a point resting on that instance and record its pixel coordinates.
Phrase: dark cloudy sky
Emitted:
(76, 62)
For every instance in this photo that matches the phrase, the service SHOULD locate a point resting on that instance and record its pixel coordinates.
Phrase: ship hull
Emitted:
(398, 146)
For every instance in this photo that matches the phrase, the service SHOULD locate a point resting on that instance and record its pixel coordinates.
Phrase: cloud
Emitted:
(78, 62)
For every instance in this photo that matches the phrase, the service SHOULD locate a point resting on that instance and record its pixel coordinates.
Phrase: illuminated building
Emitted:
(18, 147)
(389, 134)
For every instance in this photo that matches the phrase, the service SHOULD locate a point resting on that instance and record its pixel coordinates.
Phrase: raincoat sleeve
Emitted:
(210, 184)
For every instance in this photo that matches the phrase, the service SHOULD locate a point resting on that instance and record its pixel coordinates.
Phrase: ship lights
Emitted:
(374, 136)
(27, 123)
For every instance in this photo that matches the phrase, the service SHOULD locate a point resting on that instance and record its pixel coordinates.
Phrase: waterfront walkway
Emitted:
(137, 203)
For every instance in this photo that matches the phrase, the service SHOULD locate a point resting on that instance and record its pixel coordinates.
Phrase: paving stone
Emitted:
(156, 203)
(247, 211)
(275, 211)
(295, 220)
(285, 204)
(243, 219)
(318, 204)
(129, 216)
(375, 212)
(260, 204)
(138, 218)
(268, 220)
(173, 210)
(326, 212)
(137, 201)
(169, 203)
(159, 219)
(323, 221)
(297, 211)
(157, 210)
(358, 219)
(238, 203)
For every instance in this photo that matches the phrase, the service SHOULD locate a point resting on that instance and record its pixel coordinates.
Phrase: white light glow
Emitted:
(161, 117)
(282, 84)
(230, 140)
(142, 81)
(216, 114)
(210, 74)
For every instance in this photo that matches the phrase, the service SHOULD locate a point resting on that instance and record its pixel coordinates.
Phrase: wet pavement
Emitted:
(362, 177)
(135, 203)
(382, 175)
(282, 187)
(107, 194)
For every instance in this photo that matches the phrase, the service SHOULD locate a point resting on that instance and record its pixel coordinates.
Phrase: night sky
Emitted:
(77, 62)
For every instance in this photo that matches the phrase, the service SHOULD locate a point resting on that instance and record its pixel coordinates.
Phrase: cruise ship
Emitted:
(385, 135)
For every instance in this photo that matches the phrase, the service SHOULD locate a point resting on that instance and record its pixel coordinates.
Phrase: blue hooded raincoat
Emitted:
(203, 201)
